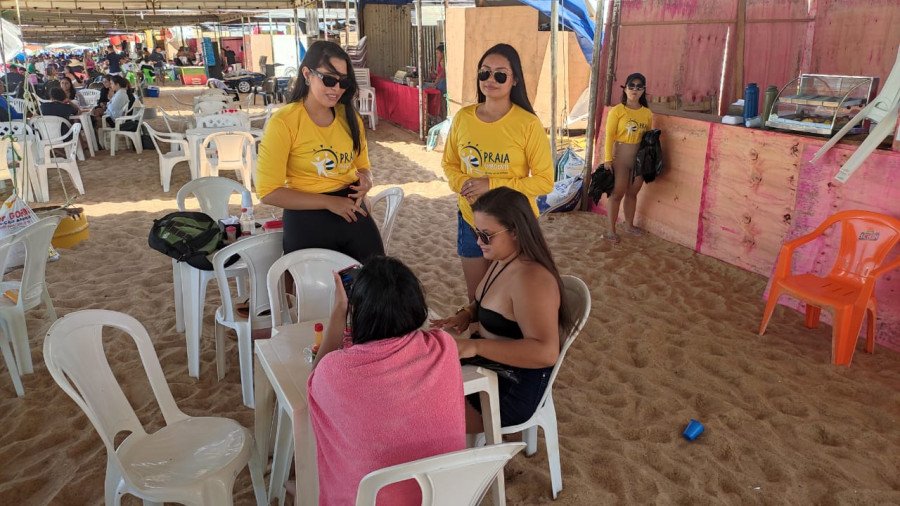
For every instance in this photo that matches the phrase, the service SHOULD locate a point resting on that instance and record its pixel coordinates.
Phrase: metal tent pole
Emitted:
(297, 37)
(592, 105)
(347, 22)
(554, 69)
(420, 69)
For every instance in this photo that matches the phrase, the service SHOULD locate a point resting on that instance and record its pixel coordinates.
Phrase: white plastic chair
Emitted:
(453, 479)
(578, 298)
(234, 151)
(264, 116)
(49, 130)
(88, 97)
(170, 120)
(205, 107)
(178, 152)
(20, 105)
(31, 290)
(213, 194)
(312, 271)
(191, 460)
(24, 187)
(237, 120)
(47, 160)
(15, 128)
(366, 106)
(5, 339)
(109, 136)
(393, 198)
(258, 252)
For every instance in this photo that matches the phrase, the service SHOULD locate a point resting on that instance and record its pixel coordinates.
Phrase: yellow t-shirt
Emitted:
(298, 154)
(513, 151)
(625, 125)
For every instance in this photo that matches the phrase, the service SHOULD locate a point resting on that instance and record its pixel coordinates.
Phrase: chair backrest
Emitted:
(176, 145)
(15, 129)
(578, 300)
(453, 479)
(19, 104)
(312, 270)
(232, 148)
(212, 193)
(169, 119)
(36, 238)
(363, 77)
(259, 252)
(89, 96)
(71, 145)
(290, 72)
(49, 127)
(265, 115)
(75, 358)
(393, 198)
(224, 120)
(205, 107)
(366, 101)
(866, 239)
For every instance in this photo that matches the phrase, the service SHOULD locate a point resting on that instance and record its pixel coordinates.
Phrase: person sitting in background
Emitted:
(389, 366)
(118, 103)
(6, 111)
(68, 88)
(60, 107)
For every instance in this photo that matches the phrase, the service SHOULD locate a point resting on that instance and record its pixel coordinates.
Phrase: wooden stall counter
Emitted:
(737, 194)
(399, 104)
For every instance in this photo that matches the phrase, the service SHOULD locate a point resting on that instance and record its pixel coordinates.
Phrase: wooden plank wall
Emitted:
(388, 30)
(856, 37)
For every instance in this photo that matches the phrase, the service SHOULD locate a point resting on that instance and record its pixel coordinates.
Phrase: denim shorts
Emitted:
(518, 400)
(466, 243)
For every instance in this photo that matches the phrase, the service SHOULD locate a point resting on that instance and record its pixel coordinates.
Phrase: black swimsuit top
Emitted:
(492, 321)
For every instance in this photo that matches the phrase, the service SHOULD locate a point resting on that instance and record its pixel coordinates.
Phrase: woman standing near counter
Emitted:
(625, 126)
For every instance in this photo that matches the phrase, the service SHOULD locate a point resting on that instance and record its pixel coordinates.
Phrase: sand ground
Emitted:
(671, 337)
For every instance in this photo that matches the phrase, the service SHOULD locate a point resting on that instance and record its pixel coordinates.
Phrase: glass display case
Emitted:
(821, 104)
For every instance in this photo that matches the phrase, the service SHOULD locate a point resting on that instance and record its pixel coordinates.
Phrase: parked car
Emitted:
(245, 81)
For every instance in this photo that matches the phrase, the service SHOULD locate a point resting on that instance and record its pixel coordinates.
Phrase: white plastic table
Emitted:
(84, 116)
(281, 373)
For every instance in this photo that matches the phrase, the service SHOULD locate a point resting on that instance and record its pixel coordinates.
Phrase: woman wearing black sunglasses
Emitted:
(625, 125)
(314, 161)
(519, 307)
(497, 142)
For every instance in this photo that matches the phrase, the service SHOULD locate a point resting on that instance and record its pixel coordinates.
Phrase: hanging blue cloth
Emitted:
(573, 14)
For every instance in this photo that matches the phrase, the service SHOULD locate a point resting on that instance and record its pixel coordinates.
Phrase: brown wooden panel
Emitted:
(748, 195)
(856, 37)
(777, 9)
(641, 11)
(772, 54)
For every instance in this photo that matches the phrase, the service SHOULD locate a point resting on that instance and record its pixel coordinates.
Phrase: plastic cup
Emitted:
(693, 430)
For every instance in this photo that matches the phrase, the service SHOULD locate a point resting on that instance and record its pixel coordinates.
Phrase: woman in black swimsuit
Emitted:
(518, 306)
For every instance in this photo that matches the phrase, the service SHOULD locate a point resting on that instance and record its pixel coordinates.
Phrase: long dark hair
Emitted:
(387, 300)
(514, 212)
(320, 54)
(71, 93)
(518, 95)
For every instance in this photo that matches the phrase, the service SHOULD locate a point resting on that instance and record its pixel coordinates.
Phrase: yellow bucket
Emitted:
(72, 230)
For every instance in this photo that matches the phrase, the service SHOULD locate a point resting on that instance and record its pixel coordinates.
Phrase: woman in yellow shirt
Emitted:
(497, 142)
(625, 125)
(314, 161)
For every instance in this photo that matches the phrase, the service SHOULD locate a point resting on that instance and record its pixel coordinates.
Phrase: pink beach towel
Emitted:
(384, 403)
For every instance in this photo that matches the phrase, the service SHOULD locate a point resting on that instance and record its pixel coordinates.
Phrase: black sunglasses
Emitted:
(499, 75)
(635, 87)
(485, 237)
(330, 81)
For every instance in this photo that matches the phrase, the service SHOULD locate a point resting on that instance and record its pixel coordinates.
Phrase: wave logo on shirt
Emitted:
(324, 160)
(471, 158)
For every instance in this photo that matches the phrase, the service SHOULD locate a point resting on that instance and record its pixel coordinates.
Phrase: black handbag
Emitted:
(603, 180)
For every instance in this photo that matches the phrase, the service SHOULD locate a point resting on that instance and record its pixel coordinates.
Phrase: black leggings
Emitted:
(321, 228)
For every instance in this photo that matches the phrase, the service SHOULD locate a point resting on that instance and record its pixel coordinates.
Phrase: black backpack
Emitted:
(187, 237)
(649, 162)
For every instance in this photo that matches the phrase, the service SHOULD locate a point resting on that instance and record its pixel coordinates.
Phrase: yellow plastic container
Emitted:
(71, 231)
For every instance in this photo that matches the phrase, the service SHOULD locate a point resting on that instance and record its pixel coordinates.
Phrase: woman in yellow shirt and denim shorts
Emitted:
(314, 161)
(625, 126)
(497, 142)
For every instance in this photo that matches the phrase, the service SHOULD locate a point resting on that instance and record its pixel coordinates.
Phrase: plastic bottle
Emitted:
(771, 94)
(319, 329)
(751, 101)
(230, 234)
(248, 227)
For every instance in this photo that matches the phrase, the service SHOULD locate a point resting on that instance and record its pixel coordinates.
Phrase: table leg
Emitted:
(88, 130)
(492, 434)
(284, 448)
(264, 395)
(305, 462)
(190, 295)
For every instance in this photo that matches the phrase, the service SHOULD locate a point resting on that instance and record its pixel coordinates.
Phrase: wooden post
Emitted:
(592, 106)
(420, 70)
(554, 70)
(739, 41)
(612, 51)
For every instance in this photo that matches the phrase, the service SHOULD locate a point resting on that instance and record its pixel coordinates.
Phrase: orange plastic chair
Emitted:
(848, 290)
